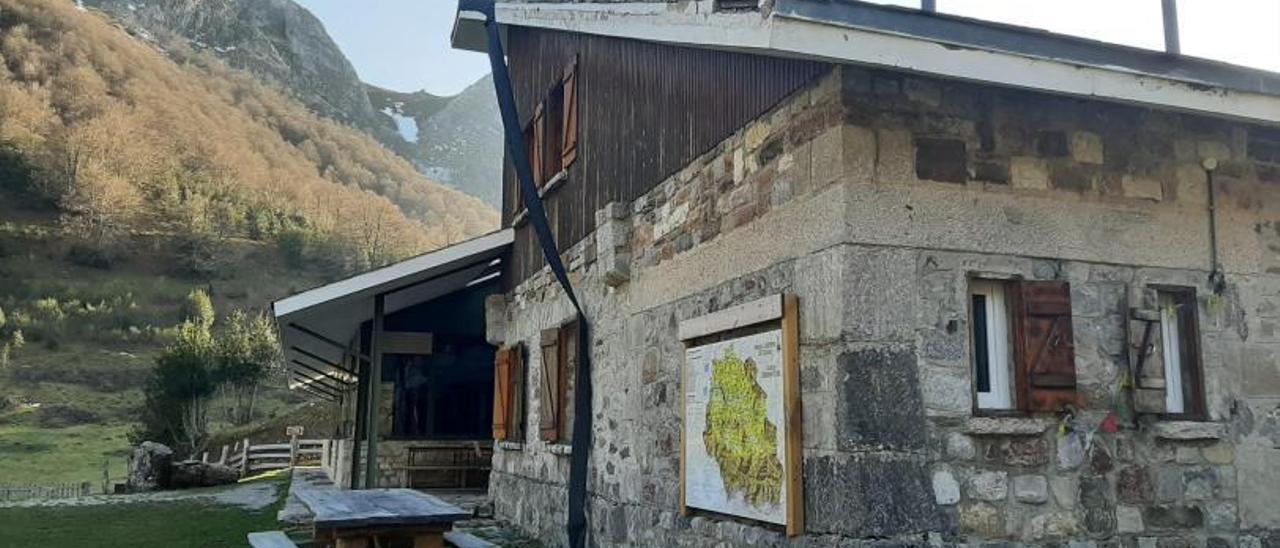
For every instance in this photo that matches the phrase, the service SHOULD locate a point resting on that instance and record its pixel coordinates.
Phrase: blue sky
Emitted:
(404, 44)
(401, 44)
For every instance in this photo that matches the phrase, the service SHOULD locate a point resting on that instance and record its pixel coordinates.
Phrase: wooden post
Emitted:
(293, 450)
(244, 459)
(222, 459)
(373, 415)
(204, 457)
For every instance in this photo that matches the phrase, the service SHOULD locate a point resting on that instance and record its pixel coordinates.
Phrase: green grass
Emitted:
(30, 454)
(168, 524)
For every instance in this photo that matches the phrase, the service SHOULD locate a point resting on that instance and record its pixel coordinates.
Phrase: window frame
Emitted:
(1000, 360)
(1190, 362)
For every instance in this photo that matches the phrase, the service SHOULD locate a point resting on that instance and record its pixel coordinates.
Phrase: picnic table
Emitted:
(353, 519)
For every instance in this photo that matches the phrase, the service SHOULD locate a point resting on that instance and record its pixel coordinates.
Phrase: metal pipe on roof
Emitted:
(1171, 42)
(930, 6)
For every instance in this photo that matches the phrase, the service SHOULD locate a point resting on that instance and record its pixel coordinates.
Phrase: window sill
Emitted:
(1007, 426)
(511, 446)
(1189, 430)
(556, 182)
(559, 449)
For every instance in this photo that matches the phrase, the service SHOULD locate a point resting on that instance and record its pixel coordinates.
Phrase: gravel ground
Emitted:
(249, 496)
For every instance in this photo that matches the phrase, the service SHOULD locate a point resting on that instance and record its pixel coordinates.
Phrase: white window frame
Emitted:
(998, 344)
(1171, 343)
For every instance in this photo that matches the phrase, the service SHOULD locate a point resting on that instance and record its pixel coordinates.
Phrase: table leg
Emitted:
(429, 540)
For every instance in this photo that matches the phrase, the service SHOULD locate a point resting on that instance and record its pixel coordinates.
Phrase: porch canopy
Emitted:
(319, 328)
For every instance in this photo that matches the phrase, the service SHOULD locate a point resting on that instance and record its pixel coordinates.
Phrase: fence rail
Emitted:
(253, 459)
(14, 493)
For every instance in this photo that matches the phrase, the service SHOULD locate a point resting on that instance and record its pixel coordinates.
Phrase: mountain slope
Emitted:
(277, 39)
(119, 136)
(456, 140)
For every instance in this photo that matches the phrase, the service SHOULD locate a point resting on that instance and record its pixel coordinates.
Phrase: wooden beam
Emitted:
(373, 415)
(343, 374)
(754, 312)
(322, 373)
(322, 338)
(791, 401)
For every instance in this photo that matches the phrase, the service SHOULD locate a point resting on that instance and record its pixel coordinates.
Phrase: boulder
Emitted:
(149, 467)
(193, 473)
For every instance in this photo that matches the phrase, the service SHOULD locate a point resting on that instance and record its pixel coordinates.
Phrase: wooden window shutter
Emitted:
(569, 129)
(515, 410)
(1045, 346)
(539, 152)
(549, 388)
(568, 368)
(501, 394)
(1146, 355)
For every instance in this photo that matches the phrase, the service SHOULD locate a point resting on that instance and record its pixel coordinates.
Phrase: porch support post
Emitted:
(373, 415)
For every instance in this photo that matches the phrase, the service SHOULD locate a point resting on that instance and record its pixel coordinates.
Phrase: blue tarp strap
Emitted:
(577, 524)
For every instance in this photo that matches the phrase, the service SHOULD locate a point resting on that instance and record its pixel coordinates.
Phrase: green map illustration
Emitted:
(738, 433)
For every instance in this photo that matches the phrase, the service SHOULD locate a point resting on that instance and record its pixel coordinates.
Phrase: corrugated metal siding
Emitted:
(645, 111)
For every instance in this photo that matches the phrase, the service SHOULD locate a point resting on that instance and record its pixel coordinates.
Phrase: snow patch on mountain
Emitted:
(406, 125)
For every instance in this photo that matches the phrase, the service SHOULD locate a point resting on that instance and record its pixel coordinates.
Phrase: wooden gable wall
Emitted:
(645, 111)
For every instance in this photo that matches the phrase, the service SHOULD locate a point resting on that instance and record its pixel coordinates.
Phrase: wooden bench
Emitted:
(270, 539)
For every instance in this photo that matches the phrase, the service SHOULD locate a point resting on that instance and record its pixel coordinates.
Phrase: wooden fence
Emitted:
(256, 459)
(13, 493)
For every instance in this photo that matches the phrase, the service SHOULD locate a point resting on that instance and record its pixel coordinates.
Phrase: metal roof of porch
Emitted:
(317, 326)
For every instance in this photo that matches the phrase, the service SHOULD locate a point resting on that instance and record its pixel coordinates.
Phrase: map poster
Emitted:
(735, 439)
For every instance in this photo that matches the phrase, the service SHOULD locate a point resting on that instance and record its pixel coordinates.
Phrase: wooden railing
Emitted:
(12, 493)
(255, 459)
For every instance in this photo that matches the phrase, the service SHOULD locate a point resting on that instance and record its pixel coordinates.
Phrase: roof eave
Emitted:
(793, 32)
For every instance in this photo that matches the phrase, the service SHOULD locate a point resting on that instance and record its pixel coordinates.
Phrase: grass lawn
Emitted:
(30, 454)
(175, 524)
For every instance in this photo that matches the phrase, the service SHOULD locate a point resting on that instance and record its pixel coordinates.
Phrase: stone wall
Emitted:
(874, 197)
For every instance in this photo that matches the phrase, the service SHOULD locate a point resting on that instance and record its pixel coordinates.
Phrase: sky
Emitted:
(404, 44)
(401, 44)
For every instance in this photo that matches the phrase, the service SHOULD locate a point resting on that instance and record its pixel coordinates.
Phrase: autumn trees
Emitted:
(123, 139)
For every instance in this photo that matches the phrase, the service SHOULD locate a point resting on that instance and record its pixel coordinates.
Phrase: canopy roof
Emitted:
(317, 327)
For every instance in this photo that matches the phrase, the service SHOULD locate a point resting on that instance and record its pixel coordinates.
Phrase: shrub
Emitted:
(91, 256)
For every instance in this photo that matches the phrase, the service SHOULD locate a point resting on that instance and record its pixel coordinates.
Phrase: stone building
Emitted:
(1038, 277)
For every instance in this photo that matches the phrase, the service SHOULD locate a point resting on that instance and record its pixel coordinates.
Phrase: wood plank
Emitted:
(270, 539)
(754, 312)
(684, 411)
(406, 342)
(379, 507)
(465, 540)
(794, 414)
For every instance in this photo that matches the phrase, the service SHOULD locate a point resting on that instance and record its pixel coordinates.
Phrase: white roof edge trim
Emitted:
(386, 274)
(833, 43)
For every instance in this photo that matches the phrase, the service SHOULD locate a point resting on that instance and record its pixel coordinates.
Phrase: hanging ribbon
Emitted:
(546, 240)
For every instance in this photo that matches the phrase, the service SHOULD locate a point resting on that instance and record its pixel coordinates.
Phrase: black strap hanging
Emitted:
(577, 526)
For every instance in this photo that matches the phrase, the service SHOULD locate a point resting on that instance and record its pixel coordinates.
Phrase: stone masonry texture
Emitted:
(875, 197)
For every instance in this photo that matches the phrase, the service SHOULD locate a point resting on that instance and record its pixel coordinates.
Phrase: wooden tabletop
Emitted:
(343, 509)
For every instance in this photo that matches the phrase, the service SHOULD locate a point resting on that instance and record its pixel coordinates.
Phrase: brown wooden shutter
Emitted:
(569, 129)
(1146, 351)
(1045, 346)
(568, 368)
(501, 394)
(549, 390)
(515, 411)
(539, 153)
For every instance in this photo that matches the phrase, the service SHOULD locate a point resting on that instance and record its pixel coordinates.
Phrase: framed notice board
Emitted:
(740, 451)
